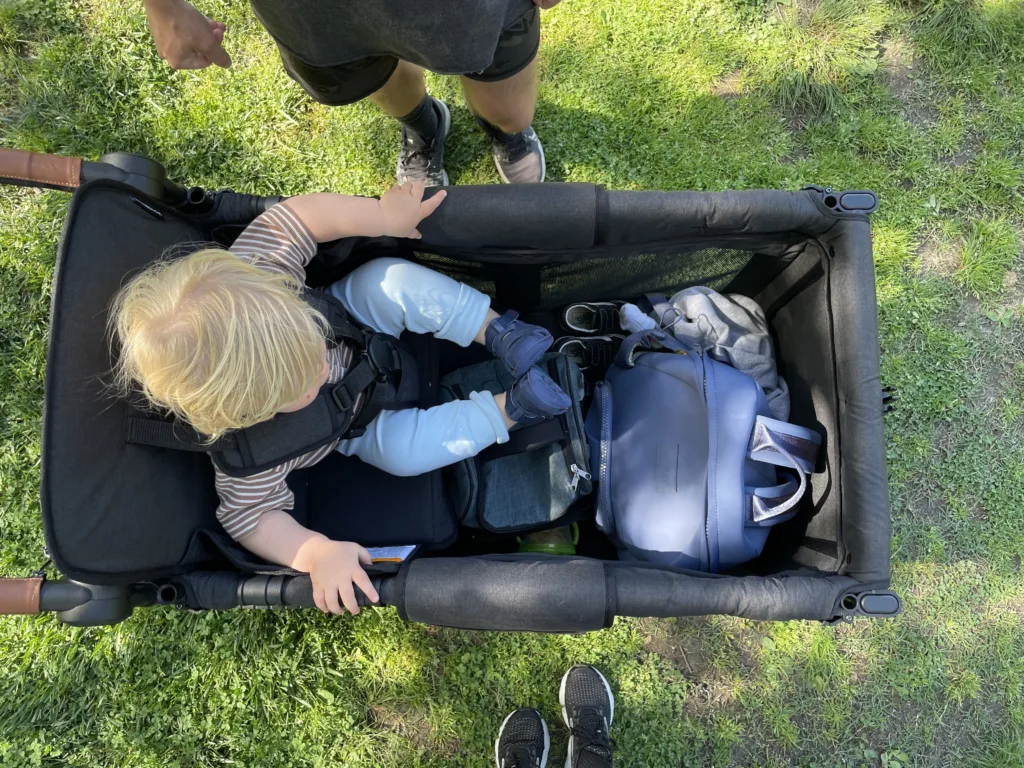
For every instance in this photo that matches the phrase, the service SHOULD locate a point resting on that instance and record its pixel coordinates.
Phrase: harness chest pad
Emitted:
(383, 371)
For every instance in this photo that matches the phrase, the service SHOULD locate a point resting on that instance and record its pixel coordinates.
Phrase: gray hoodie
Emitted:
(732, 329)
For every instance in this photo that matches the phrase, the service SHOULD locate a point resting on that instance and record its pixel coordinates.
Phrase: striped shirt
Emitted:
(277, 241)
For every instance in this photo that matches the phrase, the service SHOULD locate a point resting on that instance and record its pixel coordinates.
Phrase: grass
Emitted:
(920, 100)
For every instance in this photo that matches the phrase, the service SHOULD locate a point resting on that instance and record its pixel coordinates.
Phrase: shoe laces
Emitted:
(418, 156)
(589, 728)
(515, 146)
(519, 756)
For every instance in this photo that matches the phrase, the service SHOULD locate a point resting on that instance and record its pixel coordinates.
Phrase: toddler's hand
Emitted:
(404, 207)
(335, 568)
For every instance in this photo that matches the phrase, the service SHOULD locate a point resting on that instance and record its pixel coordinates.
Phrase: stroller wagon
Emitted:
(133, 525)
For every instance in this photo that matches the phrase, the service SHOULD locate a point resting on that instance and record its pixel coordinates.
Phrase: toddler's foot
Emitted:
(535, 397)
(516, 344)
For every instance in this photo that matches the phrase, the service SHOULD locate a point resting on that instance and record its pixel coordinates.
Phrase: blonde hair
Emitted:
(217, 341)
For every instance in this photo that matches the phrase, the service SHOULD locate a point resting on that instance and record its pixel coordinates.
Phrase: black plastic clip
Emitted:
(856, 201)
(889, 398)
(875, 604)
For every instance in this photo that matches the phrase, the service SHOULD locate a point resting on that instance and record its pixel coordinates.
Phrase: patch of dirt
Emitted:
(713, 689)
(905, 80)
(927, 507)
(938, 256)
(959, 159)
(730, 86)
(409, 722)
(995, 385)
(797, 119)
(682, 651)
(804, 10)
(964, 156)
(709, 697)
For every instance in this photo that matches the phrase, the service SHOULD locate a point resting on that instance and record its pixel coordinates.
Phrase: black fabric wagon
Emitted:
(133, 525)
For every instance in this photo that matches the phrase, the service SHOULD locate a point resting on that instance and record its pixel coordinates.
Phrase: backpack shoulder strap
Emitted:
(651, 340)
(801, 443)
(785, 445)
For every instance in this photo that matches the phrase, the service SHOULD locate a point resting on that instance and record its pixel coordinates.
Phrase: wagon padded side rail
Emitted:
(497, 593)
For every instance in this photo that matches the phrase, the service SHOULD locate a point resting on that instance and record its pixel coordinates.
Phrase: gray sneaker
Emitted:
(424, 163)
(519, 157)
(588, 708)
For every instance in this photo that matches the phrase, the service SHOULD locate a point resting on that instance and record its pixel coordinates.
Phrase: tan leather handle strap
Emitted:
(20, 596)
(38, 169)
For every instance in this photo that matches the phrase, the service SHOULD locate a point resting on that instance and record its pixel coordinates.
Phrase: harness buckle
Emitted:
(342, 397)
(382, 356)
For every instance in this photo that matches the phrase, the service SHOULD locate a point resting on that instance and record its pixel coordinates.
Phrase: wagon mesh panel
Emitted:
(599, 277)
(638, 274)
(473, 274)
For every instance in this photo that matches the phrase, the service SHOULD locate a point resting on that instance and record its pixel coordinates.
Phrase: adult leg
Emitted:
(425, 125)
(403, 91)
(506, 104)
(398, 88)
(503, 98)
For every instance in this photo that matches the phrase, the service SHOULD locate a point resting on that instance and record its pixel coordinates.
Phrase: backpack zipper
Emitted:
(707, 477)
(604, 502)
(577, 473)
(574, 452)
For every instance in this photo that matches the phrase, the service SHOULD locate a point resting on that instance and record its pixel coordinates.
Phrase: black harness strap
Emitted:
(172, 434)
(353, 384)
(527, 439)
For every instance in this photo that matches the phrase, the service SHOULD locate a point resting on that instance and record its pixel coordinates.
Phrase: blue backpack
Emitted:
(691, 472)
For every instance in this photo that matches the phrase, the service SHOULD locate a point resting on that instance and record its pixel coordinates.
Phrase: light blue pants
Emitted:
(391, 296)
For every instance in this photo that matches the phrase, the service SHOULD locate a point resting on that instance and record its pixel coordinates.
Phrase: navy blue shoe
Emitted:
(536, 397)
(516, 344)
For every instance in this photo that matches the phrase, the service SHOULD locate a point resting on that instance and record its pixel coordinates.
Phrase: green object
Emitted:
(554, 541)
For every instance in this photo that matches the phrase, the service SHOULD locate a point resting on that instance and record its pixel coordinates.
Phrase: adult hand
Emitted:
(334, 568)
(404, 207)
(185, 38)
(545, 4)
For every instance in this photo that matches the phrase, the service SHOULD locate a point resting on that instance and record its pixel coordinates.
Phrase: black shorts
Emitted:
(355, 80)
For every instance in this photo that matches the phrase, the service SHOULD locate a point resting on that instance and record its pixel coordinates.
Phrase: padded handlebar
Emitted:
(20, 596)
(35, 169)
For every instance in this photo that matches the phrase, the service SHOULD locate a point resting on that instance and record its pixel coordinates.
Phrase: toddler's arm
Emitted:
(330, 216)
(333, 566)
